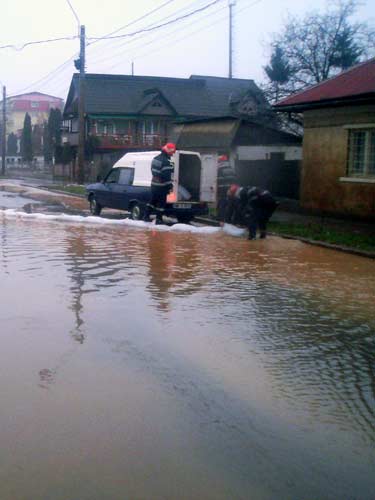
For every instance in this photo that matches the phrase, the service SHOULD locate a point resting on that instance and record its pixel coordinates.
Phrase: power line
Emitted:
(205, 26)
(126, 35)
(105, 37)
(153, 39)
(115, 43)
(145, 30)
(49, 76)
(46, 77)
(223, 18)
(74, 13)
(49, 40)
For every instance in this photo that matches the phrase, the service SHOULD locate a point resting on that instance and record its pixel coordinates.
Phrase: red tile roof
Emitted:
(353, 82)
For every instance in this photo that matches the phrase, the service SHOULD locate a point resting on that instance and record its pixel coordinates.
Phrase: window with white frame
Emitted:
(110, 129)
(100, 127)
(361, 152)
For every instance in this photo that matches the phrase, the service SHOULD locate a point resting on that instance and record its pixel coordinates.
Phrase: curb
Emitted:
(66, 193)
(332, 246)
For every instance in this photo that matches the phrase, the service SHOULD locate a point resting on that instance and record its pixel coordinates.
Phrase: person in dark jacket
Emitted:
(161, 184)
(235, 207)
(251, 207)
(260, 206)
(226, 176)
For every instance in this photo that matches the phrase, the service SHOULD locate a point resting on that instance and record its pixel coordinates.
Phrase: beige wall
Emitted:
(16, 119)
(325, 161)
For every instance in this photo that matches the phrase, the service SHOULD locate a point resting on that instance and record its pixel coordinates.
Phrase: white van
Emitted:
(128, 185)
(193, 171)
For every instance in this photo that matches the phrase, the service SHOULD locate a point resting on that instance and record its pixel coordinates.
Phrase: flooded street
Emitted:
(142, 363)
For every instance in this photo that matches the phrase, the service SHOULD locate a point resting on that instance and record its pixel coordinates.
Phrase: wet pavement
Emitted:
(144, 363)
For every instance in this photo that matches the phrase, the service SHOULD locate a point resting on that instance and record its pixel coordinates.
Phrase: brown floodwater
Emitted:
(141, 364)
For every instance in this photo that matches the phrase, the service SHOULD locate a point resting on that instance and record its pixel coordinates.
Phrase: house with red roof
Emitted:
(338, 167)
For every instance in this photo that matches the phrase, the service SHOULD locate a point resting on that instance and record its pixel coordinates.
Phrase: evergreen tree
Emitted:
(26, 140)
(66, 153)
(53, 135)
(278, 72)
(57, 126)
(12, 144)
(346, 52)
(37, 139)
(47, 151)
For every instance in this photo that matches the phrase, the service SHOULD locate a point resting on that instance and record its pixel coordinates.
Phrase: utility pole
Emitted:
(81, 110)
(231, 4)
(3, 132)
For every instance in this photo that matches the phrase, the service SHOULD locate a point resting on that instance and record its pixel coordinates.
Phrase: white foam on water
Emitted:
(102, 221)
(233, 230)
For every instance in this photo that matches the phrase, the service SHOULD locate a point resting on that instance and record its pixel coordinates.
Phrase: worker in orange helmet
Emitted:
(162, 169)
(235, 204)
(251, 207)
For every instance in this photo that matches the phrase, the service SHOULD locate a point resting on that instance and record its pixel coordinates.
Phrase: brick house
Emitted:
(338, 166)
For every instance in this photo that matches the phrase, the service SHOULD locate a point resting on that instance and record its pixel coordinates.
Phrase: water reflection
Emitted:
(173, 267)
(77, 248)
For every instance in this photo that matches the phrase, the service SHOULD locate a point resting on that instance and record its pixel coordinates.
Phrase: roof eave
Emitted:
(326, 103)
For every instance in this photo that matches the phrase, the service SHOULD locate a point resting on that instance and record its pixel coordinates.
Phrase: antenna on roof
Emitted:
(132, 68)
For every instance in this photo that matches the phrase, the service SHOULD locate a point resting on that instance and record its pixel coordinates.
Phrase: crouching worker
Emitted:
(260, 206)
(235, 209)
(161, 184)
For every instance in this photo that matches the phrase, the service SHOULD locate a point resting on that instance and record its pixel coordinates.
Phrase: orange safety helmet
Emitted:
(169, 148)
(233, 189)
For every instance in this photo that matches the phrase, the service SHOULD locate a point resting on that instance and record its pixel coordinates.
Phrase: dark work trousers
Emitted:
(158, 202)
(258, 217)
(234, 211)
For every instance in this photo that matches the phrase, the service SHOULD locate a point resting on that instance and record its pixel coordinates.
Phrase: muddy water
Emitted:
(138, 364)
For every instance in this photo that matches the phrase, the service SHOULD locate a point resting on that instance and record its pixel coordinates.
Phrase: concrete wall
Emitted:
(325, 186)
(280, 177)
(261, 152)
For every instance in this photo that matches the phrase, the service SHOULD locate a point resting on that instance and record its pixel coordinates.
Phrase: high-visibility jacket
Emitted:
(162, 169)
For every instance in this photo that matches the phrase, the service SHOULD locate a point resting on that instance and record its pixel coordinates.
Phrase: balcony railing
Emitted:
(118, 141)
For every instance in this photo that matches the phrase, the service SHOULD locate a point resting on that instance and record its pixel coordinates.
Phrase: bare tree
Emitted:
(319, 46)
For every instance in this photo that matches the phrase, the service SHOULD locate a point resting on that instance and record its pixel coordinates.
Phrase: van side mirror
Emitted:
(99, 178)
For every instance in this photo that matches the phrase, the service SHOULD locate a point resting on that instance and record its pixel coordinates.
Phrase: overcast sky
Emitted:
(196, 45)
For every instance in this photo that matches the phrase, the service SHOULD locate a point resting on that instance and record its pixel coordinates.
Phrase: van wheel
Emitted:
(136, 211)
(95, 207)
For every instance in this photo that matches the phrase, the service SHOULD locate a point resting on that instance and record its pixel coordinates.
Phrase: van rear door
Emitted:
(208, 178)
(187, 174)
